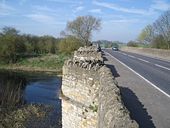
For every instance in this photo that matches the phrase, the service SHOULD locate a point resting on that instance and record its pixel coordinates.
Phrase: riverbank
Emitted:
(51, 63)
(29, 100)
(29, 116)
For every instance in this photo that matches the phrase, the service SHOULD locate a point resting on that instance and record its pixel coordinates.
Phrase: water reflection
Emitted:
(11, 88)
(43, 90)
(18, 88)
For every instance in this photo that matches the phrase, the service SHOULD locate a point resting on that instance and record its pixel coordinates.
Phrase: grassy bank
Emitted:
(47, 63)
(29, 116)
(151, 52)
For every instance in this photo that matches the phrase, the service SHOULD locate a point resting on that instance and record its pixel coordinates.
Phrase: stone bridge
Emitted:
(90, 94)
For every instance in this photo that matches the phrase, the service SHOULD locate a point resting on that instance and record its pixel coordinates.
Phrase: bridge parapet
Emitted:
(86, 57)
(91, 96)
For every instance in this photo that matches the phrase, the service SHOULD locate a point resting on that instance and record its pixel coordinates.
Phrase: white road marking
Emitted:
(131, 56)
(135, 57)
(124, 54)
(139, 75)
(162, 67)
(143, 60)
(147, 61)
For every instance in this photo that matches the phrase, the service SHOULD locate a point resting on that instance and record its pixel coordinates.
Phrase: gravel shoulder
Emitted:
(149, 107)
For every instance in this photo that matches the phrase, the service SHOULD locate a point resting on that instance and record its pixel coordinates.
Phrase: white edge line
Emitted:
(162, 66)
(139, 75)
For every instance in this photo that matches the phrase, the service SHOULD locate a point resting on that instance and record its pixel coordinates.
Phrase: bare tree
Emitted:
(162, 27)
(63, 33)
(147, 34)
(83, 26)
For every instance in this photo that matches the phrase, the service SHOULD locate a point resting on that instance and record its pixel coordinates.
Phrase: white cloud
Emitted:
(160, 5)
(95, 11)
(5, 9)
(119, 8)
(44, 9)
(122, 21)
(43, 18)
(77, 9)
(66, 1)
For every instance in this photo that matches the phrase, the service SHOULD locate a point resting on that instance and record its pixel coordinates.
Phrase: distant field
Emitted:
(152, 52)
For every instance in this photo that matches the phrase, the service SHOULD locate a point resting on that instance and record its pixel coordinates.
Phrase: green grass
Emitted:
(49, 62)
(144, 46)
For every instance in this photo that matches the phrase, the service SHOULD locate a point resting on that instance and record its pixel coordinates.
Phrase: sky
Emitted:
(122, 20)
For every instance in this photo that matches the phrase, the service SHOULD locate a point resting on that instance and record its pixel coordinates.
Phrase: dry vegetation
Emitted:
(28, 116)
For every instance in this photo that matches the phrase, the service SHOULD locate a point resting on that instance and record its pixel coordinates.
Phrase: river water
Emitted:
(20, 87)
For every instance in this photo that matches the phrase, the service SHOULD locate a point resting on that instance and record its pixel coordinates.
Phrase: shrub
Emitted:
(132, 44)
(69, 44)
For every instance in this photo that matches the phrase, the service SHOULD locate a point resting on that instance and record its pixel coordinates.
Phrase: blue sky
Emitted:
(121, 19)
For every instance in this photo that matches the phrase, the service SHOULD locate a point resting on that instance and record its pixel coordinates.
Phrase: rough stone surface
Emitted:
(80, 91)
(88, 58)
(112, 112)
(90, 96)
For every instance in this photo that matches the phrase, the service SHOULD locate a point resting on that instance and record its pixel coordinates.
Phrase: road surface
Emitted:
(145, 86)
(154, 70)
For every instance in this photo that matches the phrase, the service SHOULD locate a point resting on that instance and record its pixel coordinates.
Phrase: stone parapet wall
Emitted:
(79, 87)
(82, 82)
(90, 95)
(88, 54)
(112, 112)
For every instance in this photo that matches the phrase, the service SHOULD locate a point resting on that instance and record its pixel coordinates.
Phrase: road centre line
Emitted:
(162, 67)
(131, 56)
(135, 57)
(143, 60)
(139, 75)
(147, 61)
(124, 54)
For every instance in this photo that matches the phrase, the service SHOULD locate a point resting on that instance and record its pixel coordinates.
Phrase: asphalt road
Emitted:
(154, 71)
(144, 84)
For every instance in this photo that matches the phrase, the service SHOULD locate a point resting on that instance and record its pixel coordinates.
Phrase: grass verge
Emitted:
(47, 63)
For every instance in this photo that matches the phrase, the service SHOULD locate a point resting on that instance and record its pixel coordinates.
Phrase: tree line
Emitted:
(157, 35)
(14, 45)
(108, 44)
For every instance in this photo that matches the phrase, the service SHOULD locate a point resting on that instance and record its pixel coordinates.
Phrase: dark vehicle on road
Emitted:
(115, 49)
